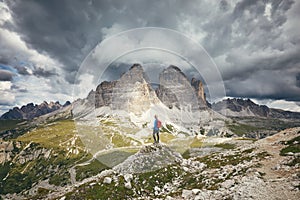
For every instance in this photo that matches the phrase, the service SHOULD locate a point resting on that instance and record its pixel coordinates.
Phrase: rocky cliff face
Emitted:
(103, 94)
(132, 92)
(198, 85)
(31, 111)
(6, 151)
(241, 107)
(176, 90)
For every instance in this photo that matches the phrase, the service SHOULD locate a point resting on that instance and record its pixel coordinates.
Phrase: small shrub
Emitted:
(293, 146)
(89, 170)
(145, 125)
(202, 131)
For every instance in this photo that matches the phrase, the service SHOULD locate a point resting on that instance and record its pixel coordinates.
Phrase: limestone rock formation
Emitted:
(198, 85)
(103, 94)
(176, 90)
(132, 92)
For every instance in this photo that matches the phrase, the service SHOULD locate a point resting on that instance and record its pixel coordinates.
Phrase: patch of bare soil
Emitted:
(282, 181)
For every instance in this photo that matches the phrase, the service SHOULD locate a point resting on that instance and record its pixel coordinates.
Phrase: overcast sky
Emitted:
(255, 44)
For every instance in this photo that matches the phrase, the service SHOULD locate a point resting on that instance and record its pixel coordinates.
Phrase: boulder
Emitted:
(107, 180)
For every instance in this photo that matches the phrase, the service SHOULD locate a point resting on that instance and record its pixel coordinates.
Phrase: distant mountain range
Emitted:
(133, 93)
(238, 107)
(31, 110)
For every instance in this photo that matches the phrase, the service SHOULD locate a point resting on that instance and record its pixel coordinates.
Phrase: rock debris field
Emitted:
(244, 169)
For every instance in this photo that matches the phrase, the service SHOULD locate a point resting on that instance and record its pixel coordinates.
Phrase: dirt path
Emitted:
(280, 178)
(72, 170)
(272, 145)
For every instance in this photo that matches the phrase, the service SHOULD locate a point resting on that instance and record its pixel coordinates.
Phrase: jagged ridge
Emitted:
(238, 107)
(31, 110)
(134, 87)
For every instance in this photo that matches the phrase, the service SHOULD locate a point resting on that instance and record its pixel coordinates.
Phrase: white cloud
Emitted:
(14, 46)
(5, 85)
(28, 88)
(268, 10)
(86, 85)
(5, 14)
(279, 104)
(39, 90)
(6, 97)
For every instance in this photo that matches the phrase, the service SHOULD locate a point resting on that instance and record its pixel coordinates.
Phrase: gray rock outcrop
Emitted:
(149, 158)
(176, 90)
(103, 94)
(132, 92)
(198, 85)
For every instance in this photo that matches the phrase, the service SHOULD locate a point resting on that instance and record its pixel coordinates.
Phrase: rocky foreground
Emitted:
(244, 169)
(237, 169)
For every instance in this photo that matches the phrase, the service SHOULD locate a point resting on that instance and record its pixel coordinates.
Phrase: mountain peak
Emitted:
(136, 66)
(175, 70)
(133, 92)
(31, 110)
(135, 74)
(176, 90)
(174, 67)
(239, 107)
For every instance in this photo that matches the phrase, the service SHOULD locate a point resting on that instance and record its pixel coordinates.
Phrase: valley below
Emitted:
(50, 161)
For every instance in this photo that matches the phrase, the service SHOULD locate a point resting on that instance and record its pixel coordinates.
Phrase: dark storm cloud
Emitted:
(252, 45)
(245, 66)
(259, 52)
(247, 5)
(3, 62)
(68, 30)
(5, 106)
(6, 75)
(40, 72)
(114, 71)
(5, 57)
(298, 80)
(60, 28)
(266, 84)
(224, 5)
(22, 70)
(18, 89)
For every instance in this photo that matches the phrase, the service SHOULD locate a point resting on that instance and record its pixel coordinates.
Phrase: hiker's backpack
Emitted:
(158, 123)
